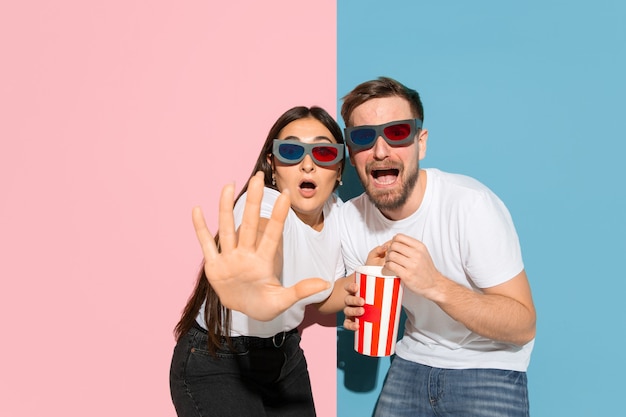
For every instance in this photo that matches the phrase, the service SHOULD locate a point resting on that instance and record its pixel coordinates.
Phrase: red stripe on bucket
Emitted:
(361, 279)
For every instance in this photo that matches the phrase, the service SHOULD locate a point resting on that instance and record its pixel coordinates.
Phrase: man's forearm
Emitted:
(492, 314)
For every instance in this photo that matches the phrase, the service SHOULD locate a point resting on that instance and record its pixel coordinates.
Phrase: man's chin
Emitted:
(385, 199)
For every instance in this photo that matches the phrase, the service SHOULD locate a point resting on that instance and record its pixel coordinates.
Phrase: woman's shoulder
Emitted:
(334, 200)
(332, 205)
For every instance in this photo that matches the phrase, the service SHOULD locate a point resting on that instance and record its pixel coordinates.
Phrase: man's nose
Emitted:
(380, 148)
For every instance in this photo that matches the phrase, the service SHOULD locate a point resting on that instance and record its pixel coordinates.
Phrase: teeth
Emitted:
(385, 176)
(385, 179)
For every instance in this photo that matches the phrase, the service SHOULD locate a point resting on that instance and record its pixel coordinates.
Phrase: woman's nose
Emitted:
(307, 164)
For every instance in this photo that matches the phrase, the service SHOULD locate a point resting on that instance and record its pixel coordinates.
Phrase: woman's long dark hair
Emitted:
(216, 316)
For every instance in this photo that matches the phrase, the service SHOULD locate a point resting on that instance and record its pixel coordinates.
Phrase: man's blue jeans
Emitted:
(413, 390)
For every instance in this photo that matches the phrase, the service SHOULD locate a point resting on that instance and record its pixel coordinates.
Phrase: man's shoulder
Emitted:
(454, 180)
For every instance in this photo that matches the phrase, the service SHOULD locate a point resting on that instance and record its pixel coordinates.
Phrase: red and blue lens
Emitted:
(396, 133)
(293, 151)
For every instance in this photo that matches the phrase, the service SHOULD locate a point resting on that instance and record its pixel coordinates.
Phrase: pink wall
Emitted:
(115, 119)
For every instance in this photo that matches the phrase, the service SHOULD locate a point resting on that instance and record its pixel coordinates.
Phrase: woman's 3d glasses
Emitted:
(397, 133)
(293, 151)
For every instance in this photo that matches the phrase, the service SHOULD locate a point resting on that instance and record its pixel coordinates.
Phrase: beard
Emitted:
(393, 199)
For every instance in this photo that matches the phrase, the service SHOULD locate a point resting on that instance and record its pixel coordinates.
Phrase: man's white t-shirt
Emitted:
(470, 235)
(307, 253)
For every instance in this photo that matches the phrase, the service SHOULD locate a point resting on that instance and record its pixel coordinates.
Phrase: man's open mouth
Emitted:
(385, 176)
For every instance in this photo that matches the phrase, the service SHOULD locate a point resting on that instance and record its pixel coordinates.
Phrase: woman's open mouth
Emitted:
(307, 185)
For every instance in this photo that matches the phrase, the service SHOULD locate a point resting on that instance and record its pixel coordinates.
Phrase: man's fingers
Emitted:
(353, 311)
(386, 271)
(209, 250)
(354, 301)
(228, 237)
(251, 212)
(351, 287)
(350, 324)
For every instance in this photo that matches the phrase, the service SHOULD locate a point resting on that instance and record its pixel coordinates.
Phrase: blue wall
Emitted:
(527, 97)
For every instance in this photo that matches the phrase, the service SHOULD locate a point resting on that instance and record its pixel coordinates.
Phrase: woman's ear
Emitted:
(270, 161)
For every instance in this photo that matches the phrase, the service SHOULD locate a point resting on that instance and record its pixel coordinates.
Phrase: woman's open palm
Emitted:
(242, 272)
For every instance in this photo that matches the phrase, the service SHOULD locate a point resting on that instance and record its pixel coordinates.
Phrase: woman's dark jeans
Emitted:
(254, 379)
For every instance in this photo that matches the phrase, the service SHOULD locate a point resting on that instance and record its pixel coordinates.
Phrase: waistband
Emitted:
(256, 342)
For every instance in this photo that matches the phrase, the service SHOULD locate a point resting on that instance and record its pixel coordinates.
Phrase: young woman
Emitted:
(227, 363)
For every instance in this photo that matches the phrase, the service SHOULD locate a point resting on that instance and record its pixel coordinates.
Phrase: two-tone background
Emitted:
(117, 117)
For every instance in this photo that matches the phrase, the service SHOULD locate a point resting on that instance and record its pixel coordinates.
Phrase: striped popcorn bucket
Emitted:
(378, 326)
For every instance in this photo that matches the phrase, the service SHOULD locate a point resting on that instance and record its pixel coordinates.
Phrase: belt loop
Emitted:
(282, 340)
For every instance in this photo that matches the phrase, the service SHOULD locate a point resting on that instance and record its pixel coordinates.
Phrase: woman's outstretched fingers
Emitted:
(226, 220)
(308, 287)
(273, 233)
(209, 250)
(251, 212)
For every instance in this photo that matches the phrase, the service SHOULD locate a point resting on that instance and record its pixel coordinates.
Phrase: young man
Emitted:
(470, 317)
